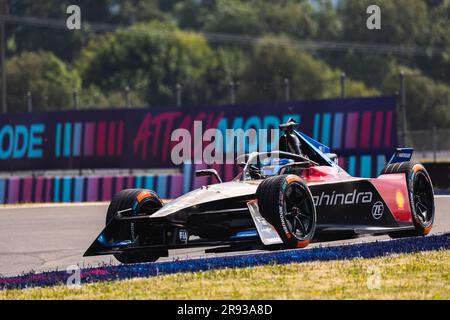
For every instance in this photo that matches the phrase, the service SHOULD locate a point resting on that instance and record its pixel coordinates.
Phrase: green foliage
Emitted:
(224, 68)
(309, 78)
(233, 16)
(45, 76)
(427, 101)
(132, 11)
(369, 68)
(403, 21)
(94, 98)
(152, 57)
(437, 34)
(328, 20)
(190, 14)
(287, 17)
(154, 54)
(359, 89)
(65, 45)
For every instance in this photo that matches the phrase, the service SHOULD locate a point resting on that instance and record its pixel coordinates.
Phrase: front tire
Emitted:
(421, 197)
(139, 200)
(286, 202)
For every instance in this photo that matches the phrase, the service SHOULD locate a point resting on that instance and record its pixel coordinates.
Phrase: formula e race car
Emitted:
(281, 199)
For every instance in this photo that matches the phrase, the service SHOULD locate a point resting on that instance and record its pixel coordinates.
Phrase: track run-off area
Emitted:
(54, 237)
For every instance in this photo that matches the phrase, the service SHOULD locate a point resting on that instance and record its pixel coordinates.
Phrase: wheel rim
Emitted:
(423, 198)
(299, 212)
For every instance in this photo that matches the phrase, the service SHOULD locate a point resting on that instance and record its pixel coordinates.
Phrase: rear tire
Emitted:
(139, 200)
(286, 202)
(421, 197)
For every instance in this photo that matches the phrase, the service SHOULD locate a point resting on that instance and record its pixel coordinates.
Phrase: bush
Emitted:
(153, 57)
(426, 99)
(49, 80)
(310, 78)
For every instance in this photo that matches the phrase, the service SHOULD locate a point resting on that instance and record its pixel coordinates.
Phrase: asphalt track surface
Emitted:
(55, 236)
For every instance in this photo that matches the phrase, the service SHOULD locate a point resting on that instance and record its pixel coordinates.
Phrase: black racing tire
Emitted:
(421, 197)
(125, 199)
(286, 202)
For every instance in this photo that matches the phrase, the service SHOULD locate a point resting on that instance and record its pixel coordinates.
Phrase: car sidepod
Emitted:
(362, 205)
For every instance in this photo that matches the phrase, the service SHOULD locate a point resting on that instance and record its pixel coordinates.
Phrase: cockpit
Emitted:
(261, 165)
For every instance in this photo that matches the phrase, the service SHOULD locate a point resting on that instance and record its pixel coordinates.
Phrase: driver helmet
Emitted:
(271, 167)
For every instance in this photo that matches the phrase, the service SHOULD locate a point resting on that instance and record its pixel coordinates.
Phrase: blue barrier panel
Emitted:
(67, 189)
(161, 186)
(56, 189)
(149, 183)
(78, 189)
(2, 190)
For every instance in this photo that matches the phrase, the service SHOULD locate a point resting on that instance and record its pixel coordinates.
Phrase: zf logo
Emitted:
(377, 210)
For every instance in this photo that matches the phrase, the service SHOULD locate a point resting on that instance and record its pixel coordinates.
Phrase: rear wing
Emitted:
(401, 155)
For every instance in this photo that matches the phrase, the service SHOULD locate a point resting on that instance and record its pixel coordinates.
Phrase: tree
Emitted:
(295, 19)
(92, 97)
(309, 78)
(328, 20)
(48, 79)
(233, 16)
(132, 11)
(371, 69)
(66, 44)
(63, 43)
(224, 70)
(437, 34)
(427, 101)
(402, 21)
(153, 57)
(190, 14)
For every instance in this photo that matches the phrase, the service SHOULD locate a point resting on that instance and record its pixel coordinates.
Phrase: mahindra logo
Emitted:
(377, 210)
(342, 198)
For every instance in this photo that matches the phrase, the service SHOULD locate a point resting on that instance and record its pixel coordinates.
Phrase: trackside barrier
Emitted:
(43, 189)
(60, 189)
(82, 189)
(359, 130)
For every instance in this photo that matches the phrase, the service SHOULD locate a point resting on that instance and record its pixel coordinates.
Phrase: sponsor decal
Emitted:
(281, 210)
(331, 199)
(266, 231)
(133, 233)
(183, 235)
(403, 155)
(400, 200)
(377, 210)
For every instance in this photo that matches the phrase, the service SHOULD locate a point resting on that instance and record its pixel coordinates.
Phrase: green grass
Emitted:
(410, 276)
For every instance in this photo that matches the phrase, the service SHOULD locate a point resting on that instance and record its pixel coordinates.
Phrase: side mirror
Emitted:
(208, 172)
